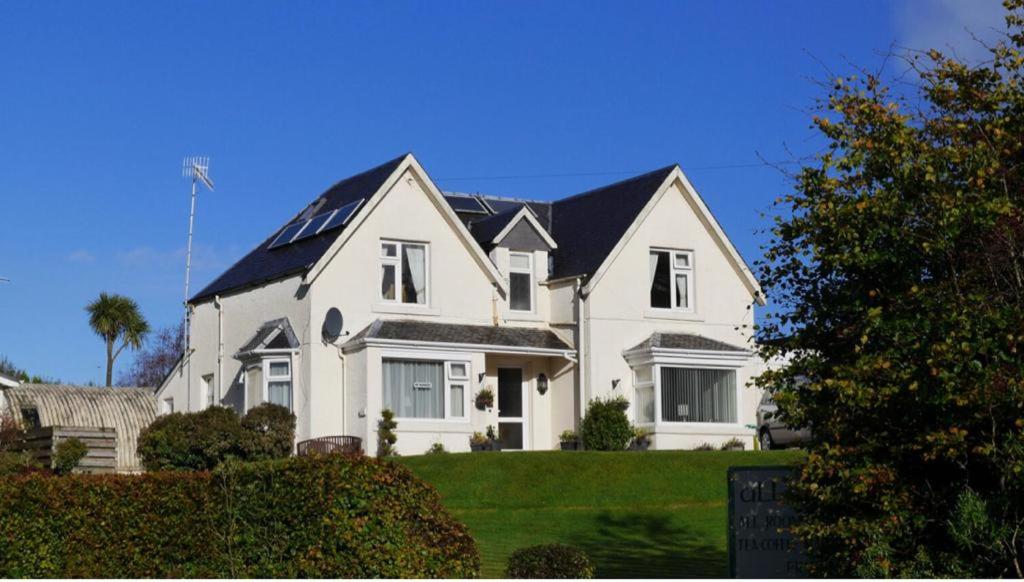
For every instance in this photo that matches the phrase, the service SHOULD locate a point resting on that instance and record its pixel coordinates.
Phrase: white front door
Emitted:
(512, 409)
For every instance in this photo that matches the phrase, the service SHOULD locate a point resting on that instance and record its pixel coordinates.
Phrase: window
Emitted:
(698, 395)
(167, 406)
(206, 389)
(426, 389)
(671, 279)
(520, 278)
(403, 272)
(643, 395)
(277, 382)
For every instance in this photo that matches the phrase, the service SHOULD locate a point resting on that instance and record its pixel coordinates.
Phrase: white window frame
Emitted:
(206, 396)
(641, 385)
(396, 261)
(446, 360)
(673, 271)
(267, 378)
(167, 406)
(528, 270)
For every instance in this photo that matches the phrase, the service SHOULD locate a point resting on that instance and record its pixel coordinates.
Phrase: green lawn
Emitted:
(637, 515)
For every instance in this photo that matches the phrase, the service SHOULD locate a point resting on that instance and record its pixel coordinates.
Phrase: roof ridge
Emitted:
(614, 184)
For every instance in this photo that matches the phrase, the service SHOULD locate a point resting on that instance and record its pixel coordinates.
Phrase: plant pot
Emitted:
(571, 445)
(489, 446)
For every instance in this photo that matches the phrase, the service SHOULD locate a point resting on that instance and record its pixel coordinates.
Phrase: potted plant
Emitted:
(641, 439)
(481, 442)
(484, 399)
(478, 442)
(569, 440)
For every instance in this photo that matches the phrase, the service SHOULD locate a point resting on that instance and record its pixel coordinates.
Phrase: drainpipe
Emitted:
(581, 366)
(220, 350)
(494, 304)
(344, 394)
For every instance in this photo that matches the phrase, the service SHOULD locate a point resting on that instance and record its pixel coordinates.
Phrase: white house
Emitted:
(632, 289)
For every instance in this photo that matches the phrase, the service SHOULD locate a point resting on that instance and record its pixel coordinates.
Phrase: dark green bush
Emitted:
(304, 517)
(268, 432)
(549, 561)
(606, 427)
(202, 440)
(17, 463)
(67, 454)
(192, 441)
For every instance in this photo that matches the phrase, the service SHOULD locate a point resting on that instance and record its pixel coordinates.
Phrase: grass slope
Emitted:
(647, 515)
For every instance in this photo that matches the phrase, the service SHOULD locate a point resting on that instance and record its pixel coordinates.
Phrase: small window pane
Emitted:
(388, 250)
(643, 374)
(387, 282)
(519, 291)
(682, 260)
(277, 369)
(414, 274)
(458, 403)
(458, 370)
(661, 294)
(644, 403)
(280, 393)
(682, 290)
(519, 261)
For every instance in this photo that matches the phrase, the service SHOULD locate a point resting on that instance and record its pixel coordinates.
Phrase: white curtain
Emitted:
(654, 269)
(415, 258)
(414, 389)
(696, 395)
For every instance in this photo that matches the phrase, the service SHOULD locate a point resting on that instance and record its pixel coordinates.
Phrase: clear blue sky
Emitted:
(100, 101)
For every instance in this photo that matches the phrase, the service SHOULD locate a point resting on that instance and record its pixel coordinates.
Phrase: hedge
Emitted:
(324, 517)
(549, 561)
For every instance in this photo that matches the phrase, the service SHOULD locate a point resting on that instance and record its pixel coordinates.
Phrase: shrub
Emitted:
(568, 436)
(491, 436)
(605, 426)
(191, 441)
(268, 432)
(549, 561)
(478, 438)
(437, 449)
(734, 444)
(303, 517)
(67, 454)
(10, 432)
(704, 447)
(386, 437)
(17, 463)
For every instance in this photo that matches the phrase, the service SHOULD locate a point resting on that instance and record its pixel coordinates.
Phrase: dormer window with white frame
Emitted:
(671, 279)
(521, 283)
(403, 272)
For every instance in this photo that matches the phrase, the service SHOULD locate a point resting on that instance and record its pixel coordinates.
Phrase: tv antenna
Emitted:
(198, 170)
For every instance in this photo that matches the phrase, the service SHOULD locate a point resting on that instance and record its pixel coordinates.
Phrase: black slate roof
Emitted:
(485, 335)
(587, 226)
(684, 341)
(262, 264)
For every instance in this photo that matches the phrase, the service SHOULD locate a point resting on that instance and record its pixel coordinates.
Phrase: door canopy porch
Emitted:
(489, 339)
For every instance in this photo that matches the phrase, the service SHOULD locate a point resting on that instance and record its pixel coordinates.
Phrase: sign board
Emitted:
(760, 545)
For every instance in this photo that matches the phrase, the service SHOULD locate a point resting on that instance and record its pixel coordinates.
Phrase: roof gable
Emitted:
(264, 264)
(588, 226)
(514, 228)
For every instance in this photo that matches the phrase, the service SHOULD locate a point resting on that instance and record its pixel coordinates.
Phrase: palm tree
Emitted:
(116, 318)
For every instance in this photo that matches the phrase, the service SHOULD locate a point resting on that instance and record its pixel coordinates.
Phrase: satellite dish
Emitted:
(334, 322)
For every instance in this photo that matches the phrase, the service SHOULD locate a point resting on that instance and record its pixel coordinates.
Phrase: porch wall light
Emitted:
(542, 384)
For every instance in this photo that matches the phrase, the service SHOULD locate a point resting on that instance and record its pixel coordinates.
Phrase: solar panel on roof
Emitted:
(287, 234)
(464, 204)
(342, 215)
(313, 226)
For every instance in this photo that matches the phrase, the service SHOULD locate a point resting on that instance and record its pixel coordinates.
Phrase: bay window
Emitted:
(671, 279)
(698, 395)
(403, 272)
(520, 278)
(426, 389)
(277, 382)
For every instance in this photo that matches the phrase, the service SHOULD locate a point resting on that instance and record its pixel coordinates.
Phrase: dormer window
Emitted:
(671, 279)
(403, 272)
(520, 279)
